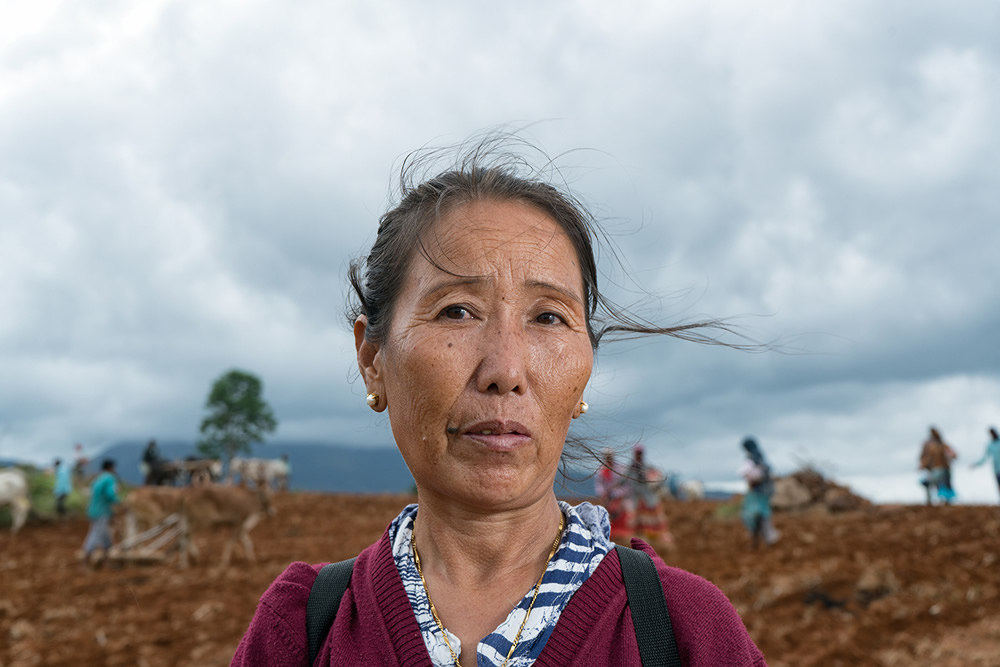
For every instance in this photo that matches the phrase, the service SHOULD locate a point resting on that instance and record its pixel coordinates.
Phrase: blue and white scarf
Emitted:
(585, 542)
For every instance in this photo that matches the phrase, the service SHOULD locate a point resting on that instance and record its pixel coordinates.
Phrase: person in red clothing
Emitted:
(476, 319)
(650, 519)
(613, 492)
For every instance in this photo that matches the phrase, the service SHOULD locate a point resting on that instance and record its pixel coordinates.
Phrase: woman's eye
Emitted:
(455, 312)
(548, 318)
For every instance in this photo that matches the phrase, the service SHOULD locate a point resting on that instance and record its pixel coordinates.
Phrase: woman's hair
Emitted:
(994, 434)
(752, 449)
(491, 167)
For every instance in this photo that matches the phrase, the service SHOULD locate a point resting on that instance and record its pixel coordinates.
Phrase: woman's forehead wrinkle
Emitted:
(476, 247)
(444, 251)
(515, 245)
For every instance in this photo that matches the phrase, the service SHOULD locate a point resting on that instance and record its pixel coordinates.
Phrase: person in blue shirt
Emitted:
(103, 498)
(757, 500)
(992, 451)
(63, 486)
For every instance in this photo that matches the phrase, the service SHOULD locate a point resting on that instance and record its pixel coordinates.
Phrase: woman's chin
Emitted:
(497, 488)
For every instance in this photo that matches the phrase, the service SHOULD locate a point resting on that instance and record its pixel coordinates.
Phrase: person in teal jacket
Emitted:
(63, 486)
(103, 498)
(992, 451)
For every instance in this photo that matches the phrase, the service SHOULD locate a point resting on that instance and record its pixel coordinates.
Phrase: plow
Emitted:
(154, 545)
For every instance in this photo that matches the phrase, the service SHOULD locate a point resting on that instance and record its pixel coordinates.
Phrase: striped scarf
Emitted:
(584, 544)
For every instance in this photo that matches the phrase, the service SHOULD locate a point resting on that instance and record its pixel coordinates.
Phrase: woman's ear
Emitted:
(369, 361)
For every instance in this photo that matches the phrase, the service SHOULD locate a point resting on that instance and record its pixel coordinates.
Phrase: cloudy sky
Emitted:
(182, 185)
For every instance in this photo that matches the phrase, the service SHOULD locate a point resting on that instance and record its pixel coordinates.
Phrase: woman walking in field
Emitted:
(613, 492)
(650, 519)
(757, 501)
(936, 457)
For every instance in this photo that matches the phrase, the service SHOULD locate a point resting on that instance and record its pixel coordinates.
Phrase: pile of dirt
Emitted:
(808, 488)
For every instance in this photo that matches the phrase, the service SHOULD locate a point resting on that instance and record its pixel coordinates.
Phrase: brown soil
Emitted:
(884, 586)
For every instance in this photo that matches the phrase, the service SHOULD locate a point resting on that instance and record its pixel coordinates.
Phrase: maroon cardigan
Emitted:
(375, 624)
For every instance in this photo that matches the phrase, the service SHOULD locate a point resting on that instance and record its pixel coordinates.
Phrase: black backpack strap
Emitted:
(324, 599)
(653, 631)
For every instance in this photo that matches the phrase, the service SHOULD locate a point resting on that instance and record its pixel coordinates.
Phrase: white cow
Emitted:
(14, 492)
(271, 472)
(692, 489)
(671, 488)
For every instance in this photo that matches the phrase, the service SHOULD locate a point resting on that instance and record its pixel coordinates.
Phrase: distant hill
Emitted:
(711, 494)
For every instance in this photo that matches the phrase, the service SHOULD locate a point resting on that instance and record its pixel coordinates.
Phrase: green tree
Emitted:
(238, 416)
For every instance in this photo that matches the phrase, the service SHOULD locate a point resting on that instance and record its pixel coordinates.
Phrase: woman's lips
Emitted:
(497, 435)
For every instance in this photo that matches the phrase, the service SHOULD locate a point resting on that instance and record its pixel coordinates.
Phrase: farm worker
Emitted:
(992, 452)
(476, 321)
(80, 465)
(936, 457)
(614, 495)
(650, 520)
(103, 498)
(150, 461)
(63, 486)
(284, 481)
(757, 501)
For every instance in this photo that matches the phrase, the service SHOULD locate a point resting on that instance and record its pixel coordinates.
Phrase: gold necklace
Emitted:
(534, 596)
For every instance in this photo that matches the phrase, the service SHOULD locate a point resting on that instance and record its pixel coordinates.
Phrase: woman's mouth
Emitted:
(497, 435)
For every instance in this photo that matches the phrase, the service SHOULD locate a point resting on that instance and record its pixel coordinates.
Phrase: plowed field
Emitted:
(887, 586)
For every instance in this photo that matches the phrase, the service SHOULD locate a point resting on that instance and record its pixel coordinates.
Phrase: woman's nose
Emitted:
(504, 360)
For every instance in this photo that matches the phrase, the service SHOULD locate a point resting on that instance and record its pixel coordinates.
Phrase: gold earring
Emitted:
(583, 408)
(372, 400)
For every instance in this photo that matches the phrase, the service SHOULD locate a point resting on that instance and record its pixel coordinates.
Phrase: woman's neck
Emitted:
(466, 547)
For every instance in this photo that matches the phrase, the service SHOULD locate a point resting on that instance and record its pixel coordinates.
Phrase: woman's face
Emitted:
(485, 362)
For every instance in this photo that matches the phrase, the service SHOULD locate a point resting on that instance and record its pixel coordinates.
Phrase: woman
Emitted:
(936, 457)
(475, 329)
(757, 501)
(613, 492)
(62, 487)
(650, 520)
